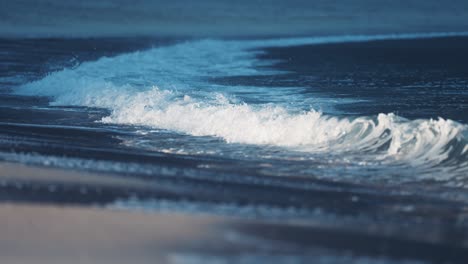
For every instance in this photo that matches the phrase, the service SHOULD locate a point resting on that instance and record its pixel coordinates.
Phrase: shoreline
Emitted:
(50, 234)
(52, 231)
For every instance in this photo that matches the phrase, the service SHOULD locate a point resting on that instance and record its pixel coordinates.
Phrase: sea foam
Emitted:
(169, 88)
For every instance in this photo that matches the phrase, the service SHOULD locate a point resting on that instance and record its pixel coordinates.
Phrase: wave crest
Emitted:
(165, 88)
(424, 141)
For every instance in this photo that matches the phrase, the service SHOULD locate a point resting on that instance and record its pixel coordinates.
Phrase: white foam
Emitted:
(184, 66)
(166, 88)
(419, 141)
(287, 42)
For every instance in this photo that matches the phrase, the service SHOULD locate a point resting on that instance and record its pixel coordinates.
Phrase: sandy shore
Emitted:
(48, 234)
(40, 224)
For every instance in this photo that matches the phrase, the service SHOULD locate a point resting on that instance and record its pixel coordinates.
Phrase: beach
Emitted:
(45, 224)
(175, 132)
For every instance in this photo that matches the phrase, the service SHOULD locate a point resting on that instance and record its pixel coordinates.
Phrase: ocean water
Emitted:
(108, 18)
(348, 132)
(351, 111)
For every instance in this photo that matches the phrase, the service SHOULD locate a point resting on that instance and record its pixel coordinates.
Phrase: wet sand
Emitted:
(75, 227)
(49, 234)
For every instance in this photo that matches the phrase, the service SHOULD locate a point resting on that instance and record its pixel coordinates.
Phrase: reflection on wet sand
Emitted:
(63, 216)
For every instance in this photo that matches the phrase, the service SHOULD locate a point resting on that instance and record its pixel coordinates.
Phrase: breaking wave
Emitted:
(169, 88)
